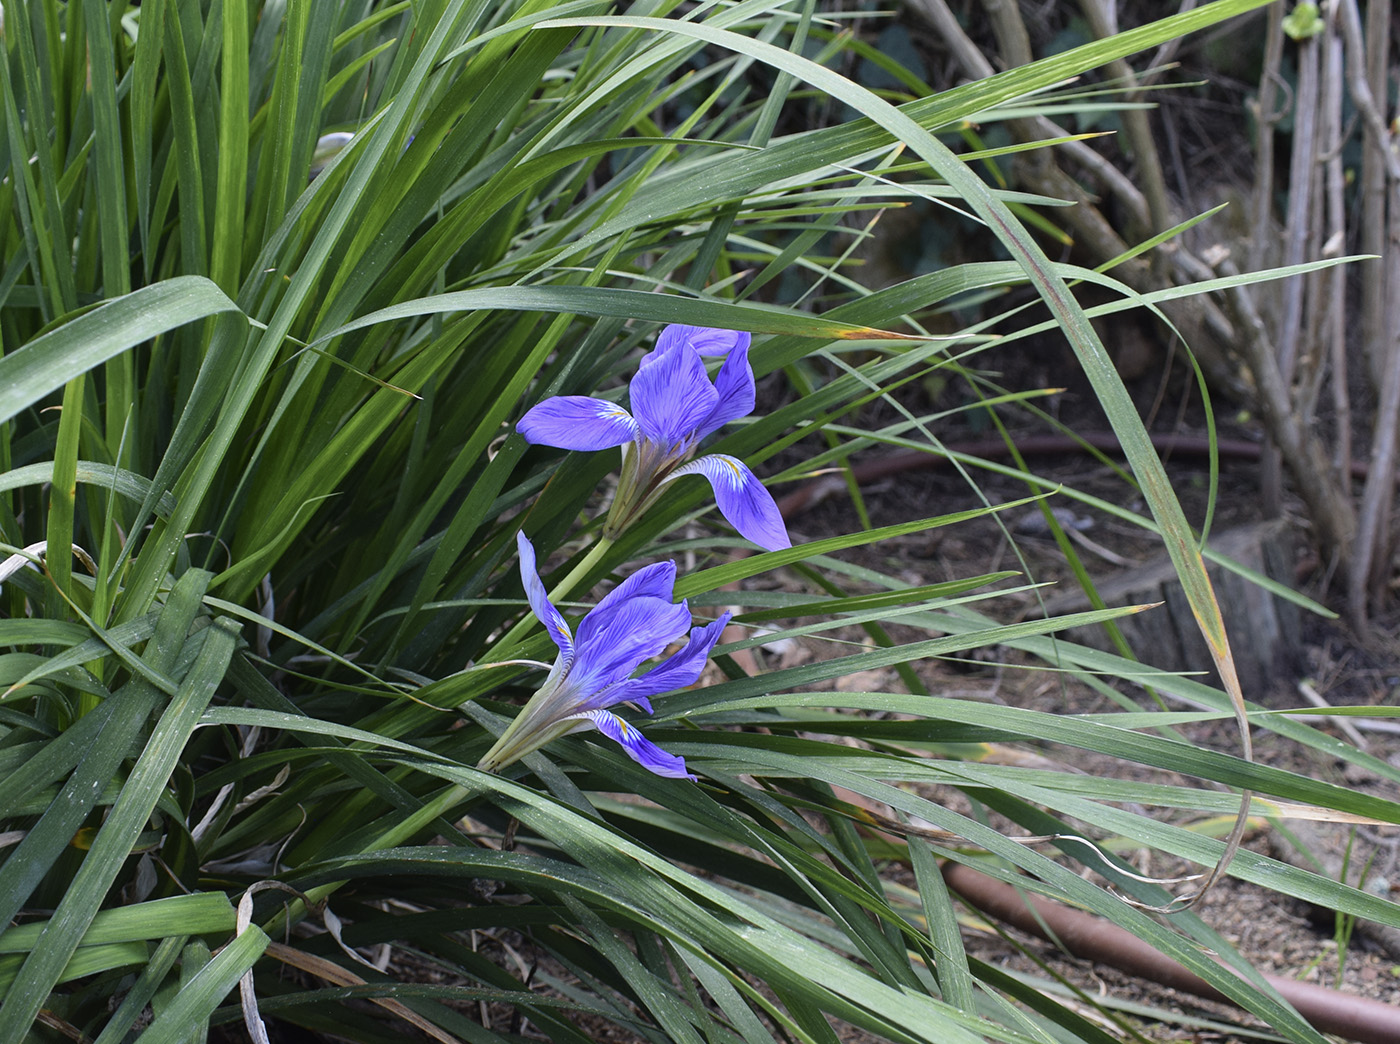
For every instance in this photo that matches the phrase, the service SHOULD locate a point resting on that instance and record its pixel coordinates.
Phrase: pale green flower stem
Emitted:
(646, 469)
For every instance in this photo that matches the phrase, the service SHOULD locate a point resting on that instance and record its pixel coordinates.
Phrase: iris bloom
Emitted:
(328, 146)
(593, 671)
(674, 406)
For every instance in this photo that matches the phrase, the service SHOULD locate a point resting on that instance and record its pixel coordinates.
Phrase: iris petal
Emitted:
(613, 648)
(704, 339)
(640, 749)
(742, 499)
(653, 581)
(543, 608)
(577, 422)
(735, 387)
(677, 672)
(672, 396)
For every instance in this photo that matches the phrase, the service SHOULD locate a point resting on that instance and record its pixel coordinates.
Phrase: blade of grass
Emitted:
(226, 260)
(50, 360)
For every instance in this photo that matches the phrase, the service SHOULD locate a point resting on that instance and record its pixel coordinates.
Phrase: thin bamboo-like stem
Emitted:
(1012, 38)
(1381, 291)
(1358, 55)
(1302, 163)
(1322, 490)
(1301, 170)
(1334, 332)
(1324, 239)
(1373, 167)
(1167, 52)
(1267, 116)
(1365, 576)
(1150, 175)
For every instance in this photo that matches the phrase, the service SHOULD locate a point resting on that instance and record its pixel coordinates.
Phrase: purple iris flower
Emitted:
(674, 406)
(635, 622)
(328, 146)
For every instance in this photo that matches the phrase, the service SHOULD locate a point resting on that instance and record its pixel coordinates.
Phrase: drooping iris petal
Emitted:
(735, 386)
(540, 604)
(677, 672)
(704, 339)
(636, 631)
(577, 422)
(640, 749)
(742, 499)
(671, 397)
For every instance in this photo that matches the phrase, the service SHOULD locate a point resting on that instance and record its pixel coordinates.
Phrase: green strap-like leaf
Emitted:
(201, 913)
(199, 997)
(127, 483)
(631, 304)
(50, 360)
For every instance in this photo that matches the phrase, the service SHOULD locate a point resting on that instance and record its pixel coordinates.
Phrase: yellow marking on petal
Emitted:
(736, 471)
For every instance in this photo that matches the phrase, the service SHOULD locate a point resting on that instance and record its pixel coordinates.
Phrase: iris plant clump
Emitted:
(675, 406)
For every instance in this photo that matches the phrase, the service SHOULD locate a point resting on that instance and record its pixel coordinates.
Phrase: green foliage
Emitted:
(1303, 22)
(274, 414)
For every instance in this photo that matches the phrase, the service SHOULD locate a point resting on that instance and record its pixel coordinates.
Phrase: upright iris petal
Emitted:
(593, 671)
(672, 398)
(540, 604)
(735, 390)
(704, 339)
(674, 406)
